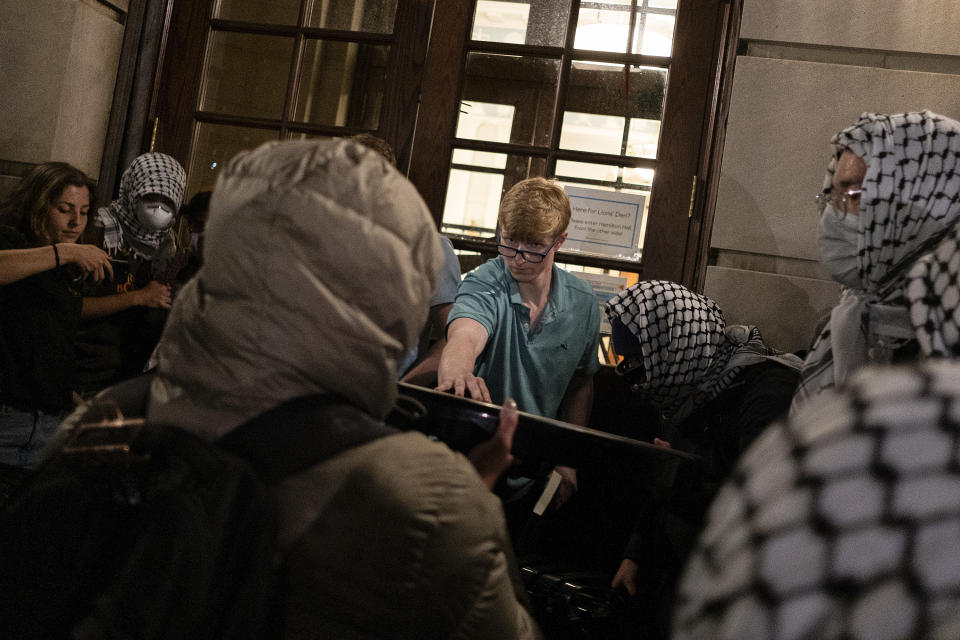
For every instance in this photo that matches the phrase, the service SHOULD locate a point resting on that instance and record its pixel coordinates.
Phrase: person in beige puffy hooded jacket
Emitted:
(319, 263)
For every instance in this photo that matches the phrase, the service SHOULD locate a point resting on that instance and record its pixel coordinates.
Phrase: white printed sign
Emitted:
(605, 222)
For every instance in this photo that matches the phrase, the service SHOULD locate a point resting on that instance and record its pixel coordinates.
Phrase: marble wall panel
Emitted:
(920, 26)
(59, 64)
(782, 116)
(87, 90)
(785, 308)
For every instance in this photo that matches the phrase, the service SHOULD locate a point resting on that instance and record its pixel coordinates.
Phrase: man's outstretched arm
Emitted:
(465, 341)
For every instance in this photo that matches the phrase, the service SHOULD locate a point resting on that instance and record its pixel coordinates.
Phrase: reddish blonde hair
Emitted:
(534, 210)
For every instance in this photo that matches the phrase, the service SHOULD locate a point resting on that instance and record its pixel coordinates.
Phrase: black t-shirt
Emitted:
(719, 432)
(724, 427)
(116, 347)
(39, 316)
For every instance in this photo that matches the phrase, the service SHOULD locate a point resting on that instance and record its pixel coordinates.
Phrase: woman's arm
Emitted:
(154, 295)
(17, 264)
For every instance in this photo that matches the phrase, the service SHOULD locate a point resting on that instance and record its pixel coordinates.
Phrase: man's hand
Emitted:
(92, 260)
(463, 383)
(492, 457)
(626, 576)
(154, 295)
(465, 341)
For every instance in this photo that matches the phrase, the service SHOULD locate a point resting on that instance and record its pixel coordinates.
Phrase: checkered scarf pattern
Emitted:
(842, 522)
(911, 189)
(911, 197)
(933, 289)
(155, 173)
(690, 355)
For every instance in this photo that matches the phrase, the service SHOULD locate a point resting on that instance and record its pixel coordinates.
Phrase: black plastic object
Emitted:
(462, 423)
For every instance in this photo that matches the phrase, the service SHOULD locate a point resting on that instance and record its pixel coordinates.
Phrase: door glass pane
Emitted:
(342, 83)
(654, 35)
(537, 22)
(485, 159)
(477, 182)
(643, 137)
(485, 121)
(495, 85)
(605, 176)
(374, 16)
(603, 29)
(246, 74)
(590, 132)
(214, 145)
(601, 117)
(273, 12)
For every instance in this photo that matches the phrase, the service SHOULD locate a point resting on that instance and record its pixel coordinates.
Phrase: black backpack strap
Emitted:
(300, 433)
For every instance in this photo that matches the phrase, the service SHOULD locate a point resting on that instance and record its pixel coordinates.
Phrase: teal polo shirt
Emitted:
(532, 365)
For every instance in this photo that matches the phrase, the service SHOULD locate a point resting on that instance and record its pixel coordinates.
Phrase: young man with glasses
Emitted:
(523, 328)
(520, 326)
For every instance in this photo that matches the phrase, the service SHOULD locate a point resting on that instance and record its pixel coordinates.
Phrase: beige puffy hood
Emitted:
(319, 263)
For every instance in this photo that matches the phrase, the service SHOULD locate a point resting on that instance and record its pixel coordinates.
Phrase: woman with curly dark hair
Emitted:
(41, 222)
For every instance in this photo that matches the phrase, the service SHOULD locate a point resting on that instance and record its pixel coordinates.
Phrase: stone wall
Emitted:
(59, 64)
(807, 70)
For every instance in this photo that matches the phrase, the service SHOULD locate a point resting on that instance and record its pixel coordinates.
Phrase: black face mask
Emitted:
(633, 372)
(631, 368)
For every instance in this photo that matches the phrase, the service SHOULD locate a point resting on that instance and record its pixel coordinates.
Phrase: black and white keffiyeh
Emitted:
(933, 290)
(842, 522)
(690, 356)
(150, 173)
(911, 197)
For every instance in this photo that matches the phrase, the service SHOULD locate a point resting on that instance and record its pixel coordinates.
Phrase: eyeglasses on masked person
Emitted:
(842, 201)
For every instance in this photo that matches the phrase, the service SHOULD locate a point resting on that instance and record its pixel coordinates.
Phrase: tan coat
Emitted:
(402, 540)
(319, 263)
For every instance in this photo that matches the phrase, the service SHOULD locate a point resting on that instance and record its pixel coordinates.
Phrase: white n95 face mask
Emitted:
(838, 246)
(155, 216)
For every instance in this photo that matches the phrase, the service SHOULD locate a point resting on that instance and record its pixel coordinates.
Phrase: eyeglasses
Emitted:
(529, 256)
(842, 201)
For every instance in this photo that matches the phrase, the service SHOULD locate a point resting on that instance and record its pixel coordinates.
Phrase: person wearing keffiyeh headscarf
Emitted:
(124, 319)
(130, 222)
(897, 181)
(679, 340)
(715, 386)
(841, 522)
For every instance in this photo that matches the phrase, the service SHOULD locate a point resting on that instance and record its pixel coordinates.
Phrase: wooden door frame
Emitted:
(681, 207)
(420, 115)
(132, 109)
(715, 130)
(682, 143)
(441, 86)
(180, 81)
